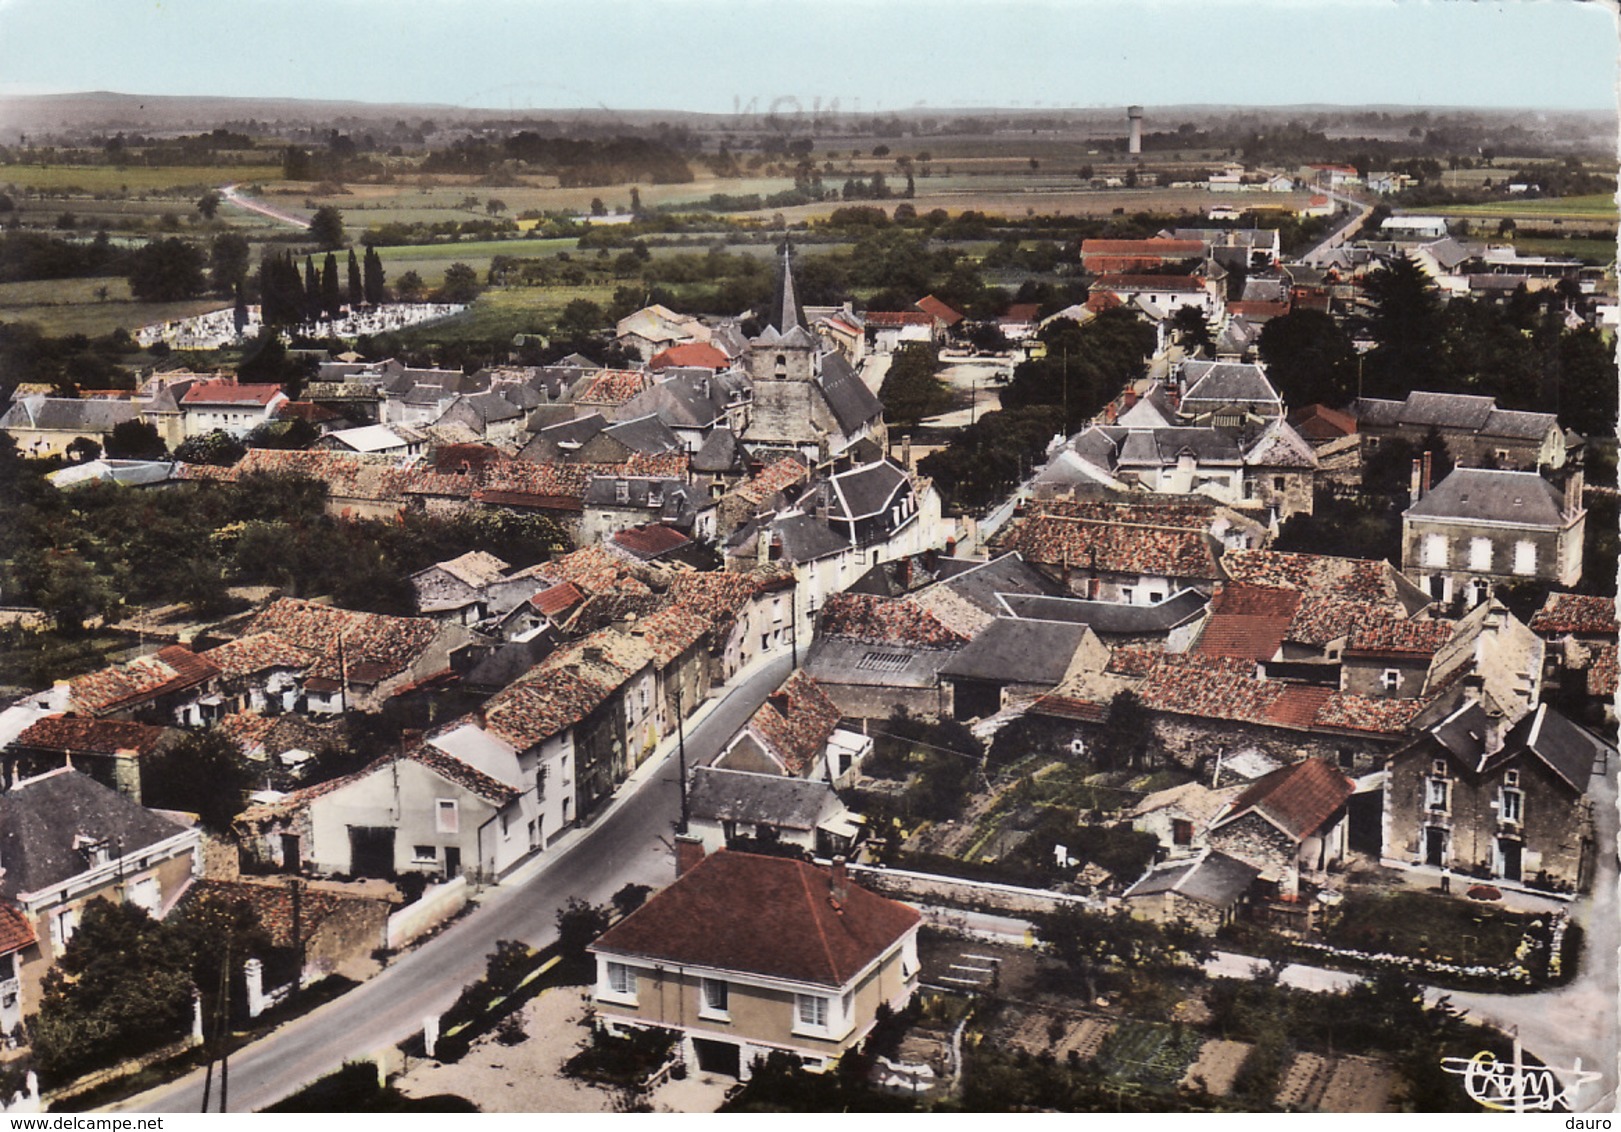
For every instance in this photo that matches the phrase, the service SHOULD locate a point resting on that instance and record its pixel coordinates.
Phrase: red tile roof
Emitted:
(1319, 422)
(670, 632)
(882, 620)
(1021, 312)
(1215, 687)
(890, 319)
(594, 571)
(554, 599)
(700, 354)
(1576, 613)
(771, 479)
(611, 386)
(257, 653)
(1068, 707)
(76, 735)
(650, 540)
(1052, 539)
(1602, 671)
(1386, 635)
(373, 646)
(16, 932)
(1298, 705)
(934, 308)
(769, 916)
(799, 735)
(1296, 799)
(229, 393)
(169, 670)
(1248, 621)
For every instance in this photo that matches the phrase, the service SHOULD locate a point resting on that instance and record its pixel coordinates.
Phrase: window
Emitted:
(1513, 807)
(622, 980)
(506, 827)
(425, 854)
(144, 894)
(1480, 554)
(446, 817)
(1390, 679)
(1435, 550)
(63, 925)
(1181, 831)
(1278, 483)
(717, 999)
(1438, 794)
(621, 491)
(811, 1011)
(1439, 768)
(1511, 779)
(1525, 557)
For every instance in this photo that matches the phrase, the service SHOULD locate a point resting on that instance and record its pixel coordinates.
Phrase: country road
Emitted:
(630, 843)
(233, 196)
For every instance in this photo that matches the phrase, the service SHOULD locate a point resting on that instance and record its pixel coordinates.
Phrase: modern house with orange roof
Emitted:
(747, 955)
(228, 406)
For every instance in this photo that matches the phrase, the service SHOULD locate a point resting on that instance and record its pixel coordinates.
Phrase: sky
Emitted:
(718, 56)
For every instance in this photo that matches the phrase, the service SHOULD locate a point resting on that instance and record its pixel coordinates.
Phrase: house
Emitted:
(1289, 822)
(455, 590)
(1012, 658)
(746, 955)
(46, 426)
(1164, 292)
(1179, 817)
(734, 809)
(108, 750)
(1206, 891)
(657, 328)
(1475, 431)
(888, 331)
(1580, 631)
(1485, 527)
(66, 840)
(427, 809)
(796, 733)
(1506, 804)
(160, 688)
(874, 654)
(749, 612)
(1112, 257)
(228, 406)
(1413, 227)
(611, 503)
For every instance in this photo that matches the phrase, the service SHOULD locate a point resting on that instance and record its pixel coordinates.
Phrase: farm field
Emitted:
(503, 312)
(1593, 250)
(72, 306)
(132, 178)
(1595, 206)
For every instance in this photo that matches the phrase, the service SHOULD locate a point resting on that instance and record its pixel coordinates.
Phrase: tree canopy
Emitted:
(911, 391)
(326, 228)
(166, 271)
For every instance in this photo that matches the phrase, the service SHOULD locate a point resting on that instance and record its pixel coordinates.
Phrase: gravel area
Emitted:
(528, 1076)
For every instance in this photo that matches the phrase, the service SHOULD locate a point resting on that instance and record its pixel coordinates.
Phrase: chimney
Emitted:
(762, 546)
(1415, 487)
(906, 453)
(1427, 467)
(839, 882)
(1575, 482)
(689, 850)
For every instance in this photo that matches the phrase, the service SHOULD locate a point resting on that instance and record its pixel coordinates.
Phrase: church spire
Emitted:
(785, 313)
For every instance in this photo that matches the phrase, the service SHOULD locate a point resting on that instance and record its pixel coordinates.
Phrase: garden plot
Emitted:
(1216, 1067)
(1303, 1082)
(1359, 1084)
(1149, 1052)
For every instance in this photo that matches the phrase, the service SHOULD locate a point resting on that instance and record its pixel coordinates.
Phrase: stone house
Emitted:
(1179, 817)
(163, 688)
(796, 734)
(1476, 432)
(734, 808)
(746, 955)
(1289, 823)
(1480, 527)
(1207, 891)
(1014, 659)
(455, 590)
(1506, 803)
(46, 426)
(874, 654)
(110, 751)
(67, 840)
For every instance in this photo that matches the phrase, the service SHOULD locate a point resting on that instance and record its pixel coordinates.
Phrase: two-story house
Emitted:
(745, 955)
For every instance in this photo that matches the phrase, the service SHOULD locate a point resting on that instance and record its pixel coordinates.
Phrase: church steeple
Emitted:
(785, 313)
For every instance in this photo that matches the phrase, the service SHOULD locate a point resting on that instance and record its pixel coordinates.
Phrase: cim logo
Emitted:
(1514, 1086)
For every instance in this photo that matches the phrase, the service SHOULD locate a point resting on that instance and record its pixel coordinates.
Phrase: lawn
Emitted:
(1427, 926)
(503, 312)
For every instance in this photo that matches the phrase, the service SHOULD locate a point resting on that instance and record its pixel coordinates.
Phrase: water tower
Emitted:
(1135, 115)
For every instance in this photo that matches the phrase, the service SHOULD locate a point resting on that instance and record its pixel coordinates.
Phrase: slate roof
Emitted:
(867, 491)
(846, 661)
(1568, 750)
(646, 434)
(768, 916)
(1489, 495)
(1583, 614)
(721, 451)
(41, 818)
(75, 735)
(1109, 617)
(1297, 799)
(718, 794)
(1211, 878)
(1464, 412)
(1210, 385)
(852, 403)
(1012, 651)
(67, 414)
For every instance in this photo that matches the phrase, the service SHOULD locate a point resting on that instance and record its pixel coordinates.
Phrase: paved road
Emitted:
(232, 196)
(628, 844)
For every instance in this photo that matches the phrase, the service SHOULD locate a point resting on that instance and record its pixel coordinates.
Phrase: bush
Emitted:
(624, 1061)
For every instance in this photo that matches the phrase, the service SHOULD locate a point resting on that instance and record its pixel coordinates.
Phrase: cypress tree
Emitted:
(357, 290)
(374, 276)
(331, 295)
(312, 291)
(240, 314)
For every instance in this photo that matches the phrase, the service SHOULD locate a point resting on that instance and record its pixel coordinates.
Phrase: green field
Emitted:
(71, 306)
(1593, 251)
(1595, 206)
(505, 311)
(133, 178)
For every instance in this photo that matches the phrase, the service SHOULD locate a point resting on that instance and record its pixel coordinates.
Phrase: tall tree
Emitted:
(1407, 327)
(203, 774)
(239, 314)
(312, 291)
(227, 261)
(326, 227)
(331, 292)
(357, 288)
(374, 278)
(166, 271)
(1309, 359)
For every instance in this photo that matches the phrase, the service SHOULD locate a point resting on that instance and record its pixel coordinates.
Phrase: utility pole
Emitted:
(681, 752)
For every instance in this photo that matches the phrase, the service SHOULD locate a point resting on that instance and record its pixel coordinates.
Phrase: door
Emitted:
(718, 1057)
(1508, 858)
(1435, 846)
(371, 851)
(291, 858)
(453, 862)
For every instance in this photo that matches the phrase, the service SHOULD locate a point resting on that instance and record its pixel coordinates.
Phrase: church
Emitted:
(807, 398)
